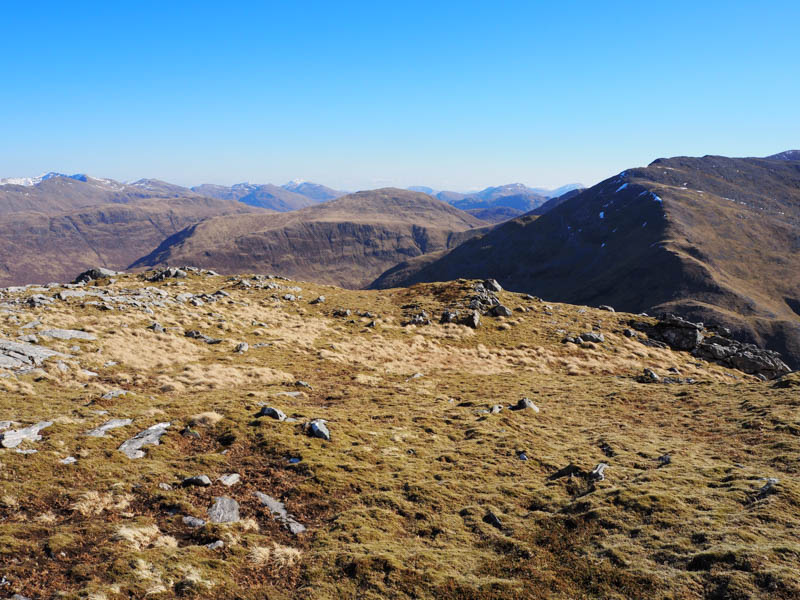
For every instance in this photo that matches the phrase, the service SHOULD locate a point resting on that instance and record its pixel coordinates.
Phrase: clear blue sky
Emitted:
(453, 95)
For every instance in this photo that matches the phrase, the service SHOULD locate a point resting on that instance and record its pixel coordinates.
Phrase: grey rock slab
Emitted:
(270, 411)
(132, 448)
(590, 336)
(68, 334)
(20, 354)
(524, 403)
(229, 479)
(69, 460)
(11, 438)
(224, 510)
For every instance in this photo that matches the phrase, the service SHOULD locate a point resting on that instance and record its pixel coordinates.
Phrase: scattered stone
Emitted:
(167, 273)
(242, 347)
(224, 510)
(522, 456)
(11, 438)
(598, 473)
(164, 486)
(229, 479)
(473, 319)
(664, 460)
(606, 307)
(449, 316)
(318, 300)
(629, 333)
(650, 375)
(304, 384)
(290, 297)
(68, 334)
(493, 520)
(269, 411)
(193, 522)
(492, 285)
(194, 334)
(524, 403)
(340, 312)
(110, 395)
(197, 480)
(500, 311)
(215, 545)
(317, 428)
(768, 488)
(69, 460)
(107, 426)
(495, 409)
(132, 448)
(280, 514)
(590, 336)
(96, 273)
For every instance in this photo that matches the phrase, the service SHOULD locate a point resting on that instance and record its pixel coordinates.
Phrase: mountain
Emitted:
(266, 195)
(40, 247)
(715, 239)
(786, 155)
(313, 191)
(231, 438)
(348, 241)
(495, 214)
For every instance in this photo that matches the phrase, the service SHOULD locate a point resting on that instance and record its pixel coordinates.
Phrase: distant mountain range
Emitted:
(497, 204)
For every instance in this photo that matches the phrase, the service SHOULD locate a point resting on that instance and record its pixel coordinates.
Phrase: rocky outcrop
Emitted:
(714, 345)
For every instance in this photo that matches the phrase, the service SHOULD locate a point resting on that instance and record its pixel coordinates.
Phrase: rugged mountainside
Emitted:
(179, 434)
(38, 248)
(266, 195)
(715, 239)
(315, 191)
(348, 241)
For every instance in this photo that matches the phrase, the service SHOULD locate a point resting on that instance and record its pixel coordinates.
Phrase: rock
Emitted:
(598, 473)
(193, 522)
(590, 336)
(29, 339)
(473, 319)
(241, 347)
(318, 300)
(524, 403)
(422, 318)
(493, 520)
(229, 479)
(107, 426)
(299, 383)
(650, 376)
(290, 297)
(492, 285)
(664, 460)
(522, 456)
(269, 411)
(194, 334)
(68, 334)
(69, 460)
(217, 545)
(495, 409)
(629, 333)
(224, 510)
(768, 488)
(339, 312)
(500, 311)
(280, 514)
(317, 428)
(96, 273)
(167, 273)
(606, 307)
(164, 486)
(197, 480)
(110, 395)
(132, 448)
(16, 355)
(449, 316)
(11, 438)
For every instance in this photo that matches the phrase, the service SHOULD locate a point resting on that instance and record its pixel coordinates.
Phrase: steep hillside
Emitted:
(348, 241)
(713, 238)
(213, 438)
(39, 248)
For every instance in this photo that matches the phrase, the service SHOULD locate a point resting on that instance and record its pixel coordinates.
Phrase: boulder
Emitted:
(269, 411)
(15, 355)
(524, 403)
(197, 480)
(318, 429)
(11, 438)
(499, 310)
(229, 479)
(96, 273)
(590, 336)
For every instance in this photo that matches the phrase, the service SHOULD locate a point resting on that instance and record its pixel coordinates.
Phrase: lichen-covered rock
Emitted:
(151, 436)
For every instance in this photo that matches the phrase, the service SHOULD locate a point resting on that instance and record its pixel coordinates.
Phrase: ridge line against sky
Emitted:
(359, 95)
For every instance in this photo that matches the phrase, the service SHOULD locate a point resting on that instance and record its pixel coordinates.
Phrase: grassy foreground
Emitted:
(400, 503)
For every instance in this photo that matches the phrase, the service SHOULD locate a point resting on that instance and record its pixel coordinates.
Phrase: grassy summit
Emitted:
(422, 491)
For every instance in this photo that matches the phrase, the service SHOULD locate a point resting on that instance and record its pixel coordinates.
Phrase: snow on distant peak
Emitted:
(33, 181)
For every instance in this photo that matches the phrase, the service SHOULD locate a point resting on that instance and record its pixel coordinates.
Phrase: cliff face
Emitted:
(346, 242)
